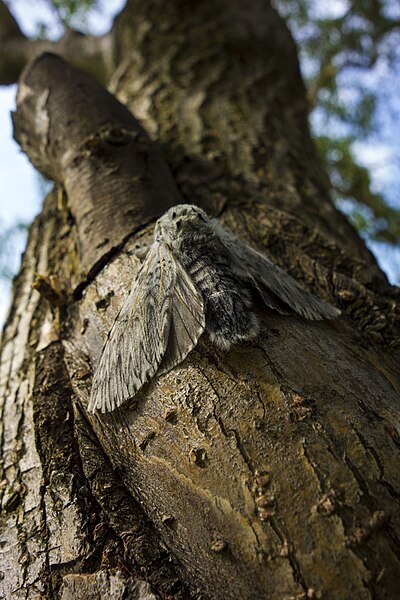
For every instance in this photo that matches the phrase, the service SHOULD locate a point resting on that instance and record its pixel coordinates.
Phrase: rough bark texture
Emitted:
(270, 471)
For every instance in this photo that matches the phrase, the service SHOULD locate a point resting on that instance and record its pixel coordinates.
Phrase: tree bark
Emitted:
(269, 472)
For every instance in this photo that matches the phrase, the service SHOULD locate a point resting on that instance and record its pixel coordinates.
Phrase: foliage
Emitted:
(341, 44)
(67, 10)
(69, 13)
(352, 181)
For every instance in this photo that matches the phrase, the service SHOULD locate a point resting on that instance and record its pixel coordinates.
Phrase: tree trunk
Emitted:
(267, 472)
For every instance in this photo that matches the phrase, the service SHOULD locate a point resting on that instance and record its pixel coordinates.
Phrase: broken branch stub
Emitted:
(79, 135)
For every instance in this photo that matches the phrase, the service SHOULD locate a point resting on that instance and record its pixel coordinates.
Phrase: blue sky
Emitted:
(21, 195)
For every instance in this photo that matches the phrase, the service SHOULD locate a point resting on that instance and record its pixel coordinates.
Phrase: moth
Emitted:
(197, 276)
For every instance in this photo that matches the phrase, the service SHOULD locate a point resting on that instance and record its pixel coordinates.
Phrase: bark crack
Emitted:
(228, 431)
(294, 564)
(104, 260)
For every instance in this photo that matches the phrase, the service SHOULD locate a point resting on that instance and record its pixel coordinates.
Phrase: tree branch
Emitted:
(80, 136)
(88, 52)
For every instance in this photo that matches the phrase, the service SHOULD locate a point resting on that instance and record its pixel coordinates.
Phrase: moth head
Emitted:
(180, 219)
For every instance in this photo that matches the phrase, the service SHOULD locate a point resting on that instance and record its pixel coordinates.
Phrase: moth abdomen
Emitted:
(230, 316)
(201, 273)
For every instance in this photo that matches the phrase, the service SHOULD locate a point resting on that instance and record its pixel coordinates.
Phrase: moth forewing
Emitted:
(271, 282)
(139, 335)
(187, 320)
